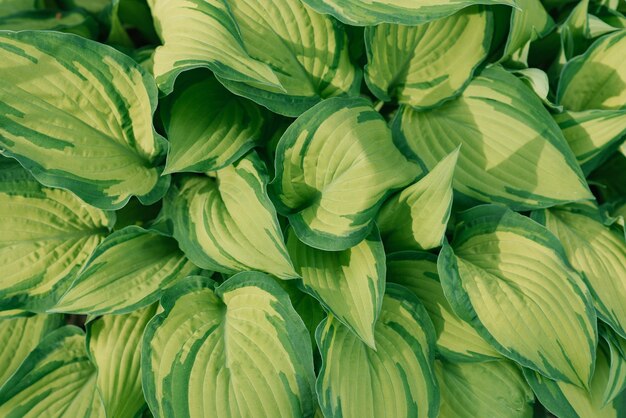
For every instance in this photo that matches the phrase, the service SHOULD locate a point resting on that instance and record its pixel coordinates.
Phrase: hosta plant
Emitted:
(312, 208)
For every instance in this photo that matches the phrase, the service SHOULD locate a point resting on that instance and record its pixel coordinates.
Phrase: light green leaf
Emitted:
(19, 336)
(71, 21)
(45, 237)
(78, 115)
(55, 380)
(128, 270)
(538, 81)
(596, 79)
(228, 223)
(511, 150)
(403, 12)
(236, 351)
(9, 7)
(509, 277)
(457, 340)
(529, 21)
(416, 218)
(350, 284)
(425, 65)
(208, 128)
(280, 54)
(395, 380)
(114, 343)
(570, 401)
(616, 354)
(593, 135)
(494, 389)
(597, 252)
(334, 166)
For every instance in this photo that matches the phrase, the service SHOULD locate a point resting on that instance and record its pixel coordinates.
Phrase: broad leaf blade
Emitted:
(397, 379)
(239, 351)
(128, 270)
(508, 276)
(457, 340)
(46, 235)
(78, 115)
(350, 284)
(228, 223)
(511, 146)
(334, 166)
(425, 65)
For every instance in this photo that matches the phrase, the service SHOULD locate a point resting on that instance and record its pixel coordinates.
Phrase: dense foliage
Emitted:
(312, 208)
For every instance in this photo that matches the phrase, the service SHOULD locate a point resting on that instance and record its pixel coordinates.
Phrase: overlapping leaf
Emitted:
(507, 275)
(234, 351)
(86, 124)
(228, 223)
(334, 166)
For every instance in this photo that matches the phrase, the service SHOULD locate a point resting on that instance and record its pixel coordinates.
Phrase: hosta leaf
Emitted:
(395, 380)
(281, 54)
(19, 336)
(208, 128)
(570, 401)
(128, 270)
(529, 21)
(78, 115)
(114, 343)
(334, 166)
(404, 12)
(9, 7)
(236, 351)
(350, 283)
(228, 223)
(456, 339)
(597, 252)
(494, 389)
(508, 276)
(45, 236)
(512, 149)
(55, 380)
(307, 307)
(593, 135)
(416, 217)
(597, 79)
(616, 354)
(71, 21)
(427, 64)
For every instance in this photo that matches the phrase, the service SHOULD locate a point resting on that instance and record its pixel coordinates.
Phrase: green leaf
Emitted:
(208, 128)
(529, 21)
(114, 343)
(307, 307)
(509, 277)
(457, 340)
(511, 150)
(570, 401)
(78, 115)
(494, 389)
(55, 380)
(71, 21)
(281, 54)
(593, 135)
(596, 79)
(403, 12)
(350, 284)
(597, 252)
(334, 166)
(228, 223)
(236, 351)
(416, 218)
(128, 270)
(616, 354)
(9, 7)
(425, 65)
(395, 380)
(46, 235)
(19, 336)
